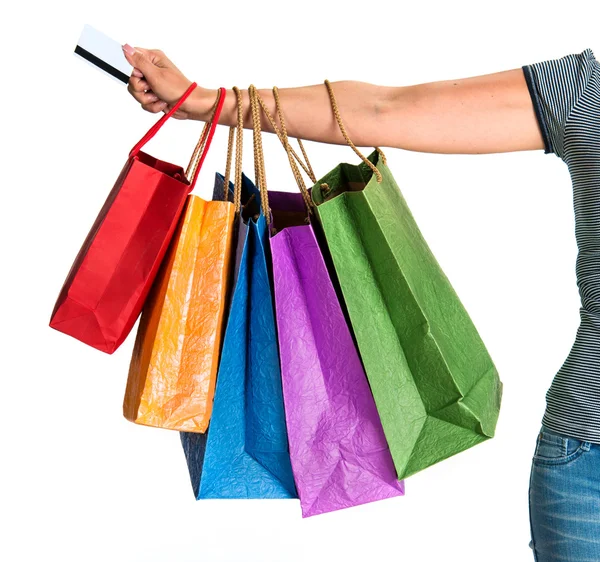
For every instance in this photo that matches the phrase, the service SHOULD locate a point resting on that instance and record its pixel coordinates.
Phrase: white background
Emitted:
(79, 482)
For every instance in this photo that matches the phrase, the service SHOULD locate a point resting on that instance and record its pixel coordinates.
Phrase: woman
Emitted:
(554, 105)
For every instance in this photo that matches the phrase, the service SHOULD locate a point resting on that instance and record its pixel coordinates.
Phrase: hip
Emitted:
(564, 498)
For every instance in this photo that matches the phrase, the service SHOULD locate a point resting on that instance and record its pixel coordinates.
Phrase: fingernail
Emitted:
(152, 97)
(137, 73)
(162, 104)
(128, 49)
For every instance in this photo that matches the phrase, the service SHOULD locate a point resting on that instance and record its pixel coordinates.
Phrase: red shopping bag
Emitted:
(105, 289)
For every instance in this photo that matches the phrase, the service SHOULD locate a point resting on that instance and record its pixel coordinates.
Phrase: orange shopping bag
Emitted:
(174, 365)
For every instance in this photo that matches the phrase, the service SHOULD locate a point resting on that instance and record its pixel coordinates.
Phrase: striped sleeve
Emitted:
(555, 87)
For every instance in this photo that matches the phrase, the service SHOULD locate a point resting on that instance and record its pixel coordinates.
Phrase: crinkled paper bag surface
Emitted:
(435, 385)
(174, 364)
(339, 453)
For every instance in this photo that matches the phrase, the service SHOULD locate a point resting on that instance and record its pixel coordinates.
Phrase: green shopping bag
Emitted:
(435, 385)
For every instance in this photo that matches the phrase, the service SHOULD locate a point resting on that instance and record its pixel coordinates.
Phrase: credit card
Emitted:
(103, 53)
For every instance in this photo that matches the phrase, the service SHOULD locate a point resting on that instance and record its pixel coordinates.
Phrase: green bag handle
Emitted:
(336, 111)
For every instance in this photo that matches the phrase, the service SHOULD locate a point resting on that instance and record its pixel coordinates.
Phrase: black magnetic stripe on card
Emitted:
(101, 64)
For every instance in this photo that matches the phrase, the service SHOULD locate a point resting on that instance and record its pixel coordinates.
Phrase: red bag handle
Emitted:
(156, 127)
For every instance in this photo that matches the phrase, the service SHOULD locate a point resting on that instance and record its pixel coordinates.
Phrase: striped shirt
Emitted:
(566, 98)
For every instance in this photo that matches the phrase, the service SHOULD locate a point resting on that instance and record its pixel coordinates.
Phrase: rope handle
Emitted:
(230, 140)
(237, 191)
(283, 137)
(238, 132)
(155, 128)
(338, 118)
(205, 140)
(306, 163)
(193, 164)
(259, 161)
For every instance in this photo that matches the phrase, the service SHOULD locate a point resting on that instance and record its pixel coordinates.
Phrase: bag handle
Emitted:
(306, 164)
(155, 128)
(230, 140)
(238, 131)
(259, 161)
(283, 137)
(205, 140)
(338, 118)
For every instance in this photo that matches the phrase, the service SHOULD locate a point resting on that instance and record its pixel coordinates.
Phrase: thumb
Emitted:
(140, 60)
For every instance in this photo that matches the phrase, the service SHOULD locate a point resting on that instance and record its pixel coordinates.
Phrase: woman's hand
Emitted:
(156, 82)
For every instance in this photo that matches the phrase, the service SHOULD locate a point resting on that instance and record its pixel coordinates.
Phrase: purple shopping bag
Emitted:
(340, 457)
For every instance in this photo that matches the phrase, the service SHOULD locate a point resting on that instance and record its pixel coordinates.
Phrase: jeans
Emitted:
(564, 499)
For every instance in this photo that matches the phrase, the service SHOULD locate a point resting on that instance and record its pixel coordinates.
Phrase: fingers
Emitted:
(137, 85)
(155, 107)
(157, 57)
(148, 75)
(140, 59)
(141, 91)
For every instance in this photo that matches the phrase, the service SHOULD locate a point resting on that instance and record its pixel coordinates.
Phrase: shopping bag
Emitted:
(175, 357)
(111, 276)
(340, 457)
(435, 385)
(244, 454)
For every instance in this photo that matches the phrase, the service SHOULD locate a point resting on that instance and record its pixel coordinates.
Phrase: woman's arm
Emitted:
(476, 115)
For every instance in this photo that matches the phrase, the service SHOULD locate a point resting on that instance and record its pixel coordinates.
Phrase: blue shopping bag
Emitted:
(244, 453)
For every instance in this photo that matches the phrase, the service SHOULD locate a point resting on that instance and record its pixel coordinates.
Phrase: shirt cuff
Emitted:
(537, 108)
